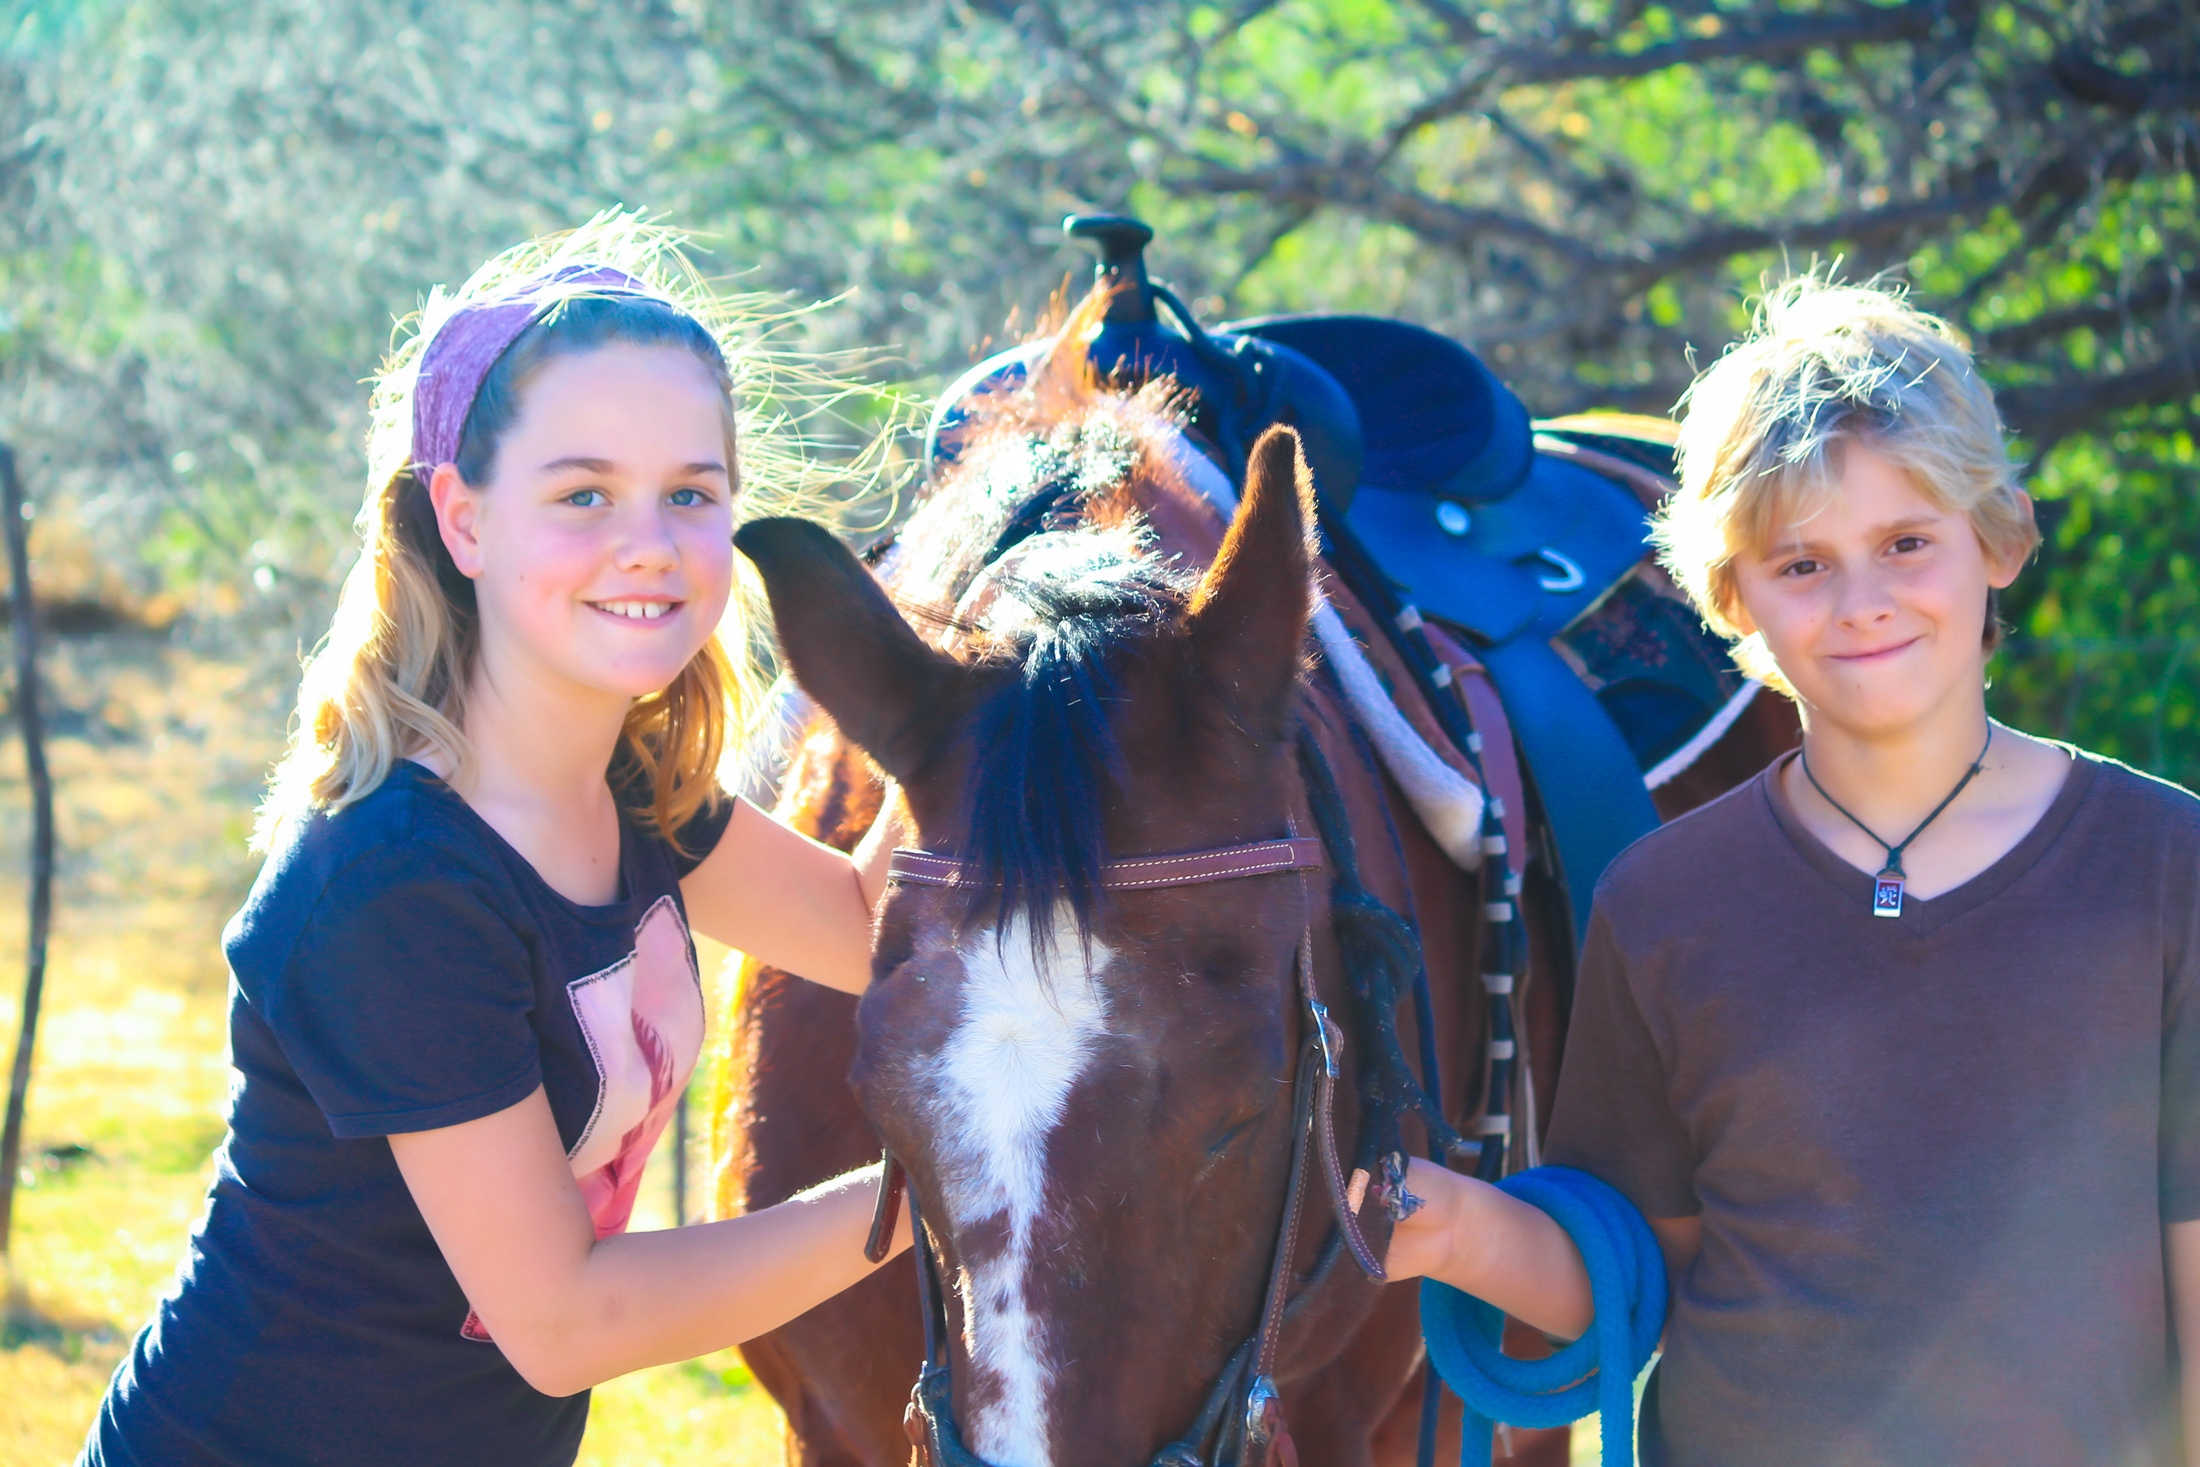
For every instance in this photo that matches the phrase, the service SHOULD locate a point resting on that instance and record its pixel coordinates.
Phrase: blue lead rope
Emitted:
(1596, 1372)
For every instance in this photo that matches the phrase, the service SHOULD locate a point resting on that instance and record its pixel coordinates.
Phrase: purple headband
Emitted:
(471, 339)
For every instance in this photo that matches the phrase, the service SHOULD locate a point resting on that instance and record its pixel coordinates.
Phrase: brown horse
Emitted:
(1093, 1090)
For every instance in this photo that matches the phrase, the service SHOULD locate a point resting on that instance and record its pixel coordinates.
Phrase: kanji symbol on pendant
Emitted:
(1887, 896)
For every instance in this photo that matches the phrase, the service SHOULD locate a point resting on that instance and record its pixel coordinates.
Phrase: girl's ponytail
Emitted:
(388, 680)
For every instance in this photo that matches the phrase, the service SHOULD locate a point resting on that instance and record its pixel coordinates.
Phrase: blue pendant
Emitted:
(1887, 894)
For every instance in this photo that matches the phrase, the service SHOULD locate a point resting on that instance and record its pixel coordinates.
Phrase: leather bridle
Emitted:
(1254, 1435)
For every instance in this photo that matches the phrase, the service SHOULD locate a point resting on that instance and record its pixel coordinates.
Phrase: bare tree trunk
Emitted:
(680, 1162)
(17, 529)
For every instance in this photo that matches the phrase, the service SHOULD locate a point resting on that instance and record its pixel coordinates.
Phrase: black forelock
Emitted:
(1045, 758)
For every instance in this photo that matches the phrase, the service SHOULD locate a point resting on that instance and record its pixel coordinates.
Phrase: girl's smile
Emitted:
(601, 550)
(636, 610)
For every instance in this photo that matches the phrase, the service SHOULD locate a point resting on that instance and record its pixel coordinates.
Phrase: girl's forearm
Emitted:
(645, 1299)
(1501, 1250)
(875, 851)
(790, 901)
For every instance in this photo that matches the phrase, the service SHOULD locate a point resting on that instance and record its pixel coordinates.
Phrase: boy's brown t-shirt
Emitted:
(1933, 1154)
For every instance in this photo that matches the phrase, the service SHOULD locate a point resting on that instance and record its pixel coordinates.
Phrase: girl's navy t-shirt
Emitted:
(398, 967)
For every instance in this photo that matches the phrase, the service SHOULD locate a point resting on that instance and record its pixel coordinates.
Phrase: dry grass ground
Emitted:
(157, 757)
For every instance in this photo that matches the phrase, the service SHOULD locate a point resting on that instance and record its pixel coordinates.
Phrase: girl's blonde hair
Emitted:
(389, 680)
(1760, 448)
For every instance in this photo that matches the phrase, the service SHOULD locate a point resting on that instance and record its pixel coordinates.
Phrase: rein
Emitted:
(1379, 950)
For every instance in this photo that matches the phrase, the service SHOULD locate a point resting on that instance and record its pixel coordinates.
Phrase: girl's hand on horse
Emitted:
(791, 902)
(570, 1311)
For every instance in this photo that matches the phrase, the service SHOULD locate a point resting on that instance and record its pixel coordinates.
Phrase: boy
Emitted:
(1897, 1046)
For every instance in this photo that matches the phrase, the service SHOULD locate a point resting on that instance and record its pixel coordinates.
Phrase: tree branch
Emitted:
(1866, 25)
(1586, 54)
(2156, 292)
(1860, 226)
(1306, 184)
(2089, 81)
(2049, 412)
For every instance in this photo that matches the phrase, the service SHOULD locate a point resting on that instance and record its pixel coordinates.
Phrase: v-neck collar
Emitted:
(619, 909)
(1921, 917)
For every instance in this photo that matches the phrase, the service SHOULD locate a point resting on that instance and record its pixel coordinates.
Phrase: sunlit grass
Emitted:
(706, 1410)
(156, 773)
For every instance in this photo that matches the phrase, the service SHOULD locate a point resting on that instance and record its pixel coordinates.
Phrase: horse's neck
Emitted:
(1184, 524)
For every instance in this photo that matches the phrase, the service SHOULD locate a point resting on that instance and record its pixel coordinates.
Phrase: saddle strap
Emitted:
(1589, 781)
(1486, 712)
(1653, 489)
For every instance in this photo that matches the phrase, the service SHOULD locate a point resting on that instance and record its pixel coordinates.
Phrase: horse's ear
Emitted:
(848, 647)
(1248, 620)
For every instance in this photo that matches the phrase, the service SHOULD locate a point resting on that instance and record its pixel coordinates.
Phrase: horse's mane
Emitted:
(1032, 556)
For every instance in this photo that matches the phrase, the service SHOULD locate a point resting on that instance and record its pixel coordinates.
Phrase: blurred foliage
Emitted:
(2107, 644)
(211, 211)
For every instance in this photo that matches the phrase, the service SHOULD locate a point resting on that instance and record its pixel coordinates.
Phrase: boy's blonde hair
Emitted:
(389, 679)
(1760, 448)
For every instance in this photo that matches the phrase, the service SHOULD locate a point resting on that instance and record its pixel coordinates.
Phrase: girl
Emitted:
(465, 999)
(1898, 1045)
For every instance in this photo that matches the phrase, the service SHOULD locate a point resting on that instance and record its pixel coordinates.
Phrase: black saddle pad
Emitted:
(1433, 418)
(1661, 674)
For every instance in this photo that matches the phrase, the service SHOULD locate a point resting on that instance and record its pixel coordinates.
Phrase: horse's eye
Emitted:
(1236, 1128)
(1221, 1143)
(1226, 965)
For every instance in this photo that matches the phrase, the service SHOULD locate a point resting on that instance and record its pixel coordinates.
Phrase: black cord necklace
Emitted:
(1887, 886)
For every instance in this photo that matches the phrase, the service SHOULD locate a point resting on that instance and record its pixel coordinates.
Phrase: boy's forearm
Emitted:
(2181, 1248)
(2190, 1365)
(1497, 1248)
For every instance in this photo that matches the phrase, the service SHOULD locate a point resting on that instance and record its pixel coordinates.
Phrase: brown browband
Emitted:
(1135, 873)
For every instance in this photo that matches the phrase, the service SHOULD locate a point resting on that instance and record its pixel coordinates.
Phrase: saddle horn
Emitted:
(1237, 386)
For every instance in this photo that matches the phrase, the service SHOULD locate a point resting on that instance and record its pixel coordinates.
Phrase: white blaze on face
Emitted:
(1026, 1033)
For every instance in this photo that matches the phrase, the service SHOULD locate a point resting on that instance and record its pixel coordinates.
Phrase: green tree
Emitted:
(1587, 193)
(227, 206)
(217, 206)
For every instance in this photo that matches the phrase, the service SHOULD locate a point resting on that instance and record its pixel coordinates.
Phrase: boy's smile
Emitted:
(1878, 655)
(1874, 604)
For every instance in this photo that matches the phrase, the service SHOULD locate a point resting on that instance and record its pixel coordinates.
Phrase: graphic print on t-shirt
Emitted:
(643, 1020)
